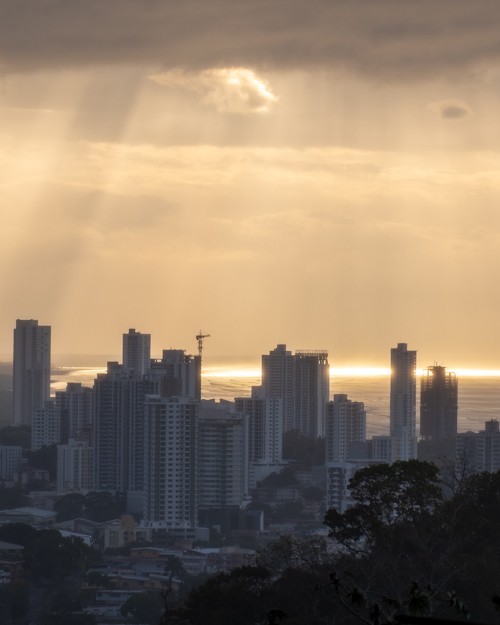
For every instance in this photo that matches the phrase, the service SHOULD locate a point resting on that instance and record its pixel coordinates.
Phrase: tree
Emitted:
(14, 600)
(49, 557)
(291, 552)
(237, 597)
(44, 458)
(16, 435)
(144, 607)
(286, 477)
(103, 506)
(395, 535)
(304, 450)
(11, 498)
(70, 506)
(175, 568)
(17, 533)
(386, 495)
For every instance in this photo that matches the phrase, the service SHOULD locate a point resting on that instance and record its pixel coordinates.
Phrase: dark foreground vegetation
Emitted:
(401, 549)
(409, 545)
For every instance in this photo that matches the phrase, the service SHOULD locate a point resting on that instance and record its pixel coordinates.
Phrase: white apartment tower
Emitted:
(46, 426)
(170, 463)
(31, 369)
(345, 423)
(136, 352)
(75, 466)
(403, 421)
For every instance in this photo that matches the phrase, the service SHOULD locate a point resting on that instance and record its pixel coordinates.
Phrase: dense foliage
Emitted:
(97, 506)
(402, 548)
(45, 586)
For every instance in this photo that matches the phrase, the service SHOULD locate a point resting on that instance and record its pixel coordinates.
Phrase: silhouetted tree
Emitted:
(44, 458)
(70, 506)
(12, 498)
(16, 435)
(144, 607)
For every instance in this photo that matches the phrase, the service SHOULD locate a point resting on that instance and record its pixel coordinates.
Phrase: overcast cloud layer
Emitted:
(322, 174)
(395, 39)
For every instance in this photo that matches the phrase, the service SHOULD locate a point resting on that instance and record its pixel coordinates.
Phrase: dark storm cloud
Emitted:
(454, 112)
(391, 38)
(451, 109)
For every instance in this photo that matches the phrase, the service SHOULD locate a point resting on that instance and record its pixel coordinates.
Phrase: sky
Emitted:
(320, 173)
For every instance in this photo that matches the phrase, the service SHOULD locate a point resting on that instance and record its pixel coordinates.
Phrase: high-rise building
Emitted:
(438, 404)
(479, 451)
(171, 463)
(403, 400)
(177, 374)
(10, 461)
(263, 420)
(118, 428)
(265, 428)
(75, 407)
(312, 390)
(302, 382)
(345, 424)
(31, 369)
(45, 426)
(137, 352)
(75, 466)
(278, 381)
(222, 457)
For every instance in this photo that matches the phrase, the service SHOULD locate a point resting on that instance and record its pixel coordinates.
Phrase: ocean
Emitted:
(478, 396)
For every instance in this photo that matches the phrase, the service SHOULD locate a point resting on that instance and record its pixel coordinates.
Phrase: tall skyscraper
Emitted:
(278, 381)
(170, 464)
(312, 389)
(302, 382)
(438, 404)
(403, 399)
(31, 369)
(118, 429)
(137, 352)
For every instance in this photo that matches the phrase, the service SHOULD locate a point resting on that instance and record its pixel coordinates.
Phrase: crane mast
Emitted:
(200, 338)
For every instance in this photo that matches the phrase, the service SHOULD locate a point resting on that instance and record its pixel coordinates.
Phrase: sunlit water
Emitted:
(478, 397)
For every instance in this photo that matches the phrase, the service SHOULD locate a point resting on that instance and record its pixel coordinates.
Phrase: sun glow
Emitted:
(343, 372)
(231, 373)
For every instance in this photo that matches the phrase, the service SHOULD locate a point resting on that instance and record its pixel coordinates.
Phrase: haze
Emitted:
(322, 174)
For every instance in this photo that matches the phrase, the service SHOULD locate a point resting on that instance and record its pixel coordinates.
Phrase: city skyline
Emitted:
(328, 177)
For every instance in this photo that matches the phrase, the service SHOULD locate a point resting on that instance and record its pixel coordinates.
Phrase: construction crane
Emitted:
(199, 337)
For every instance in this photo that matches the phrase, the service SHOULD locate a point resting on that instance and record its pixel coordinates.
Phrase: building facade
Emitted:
(403, 400)
(31, 369)
(222, 458)
(438, 404)
(345, 424)
(479, 451)
(170, 463)
(302, 382)
(136, 352)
